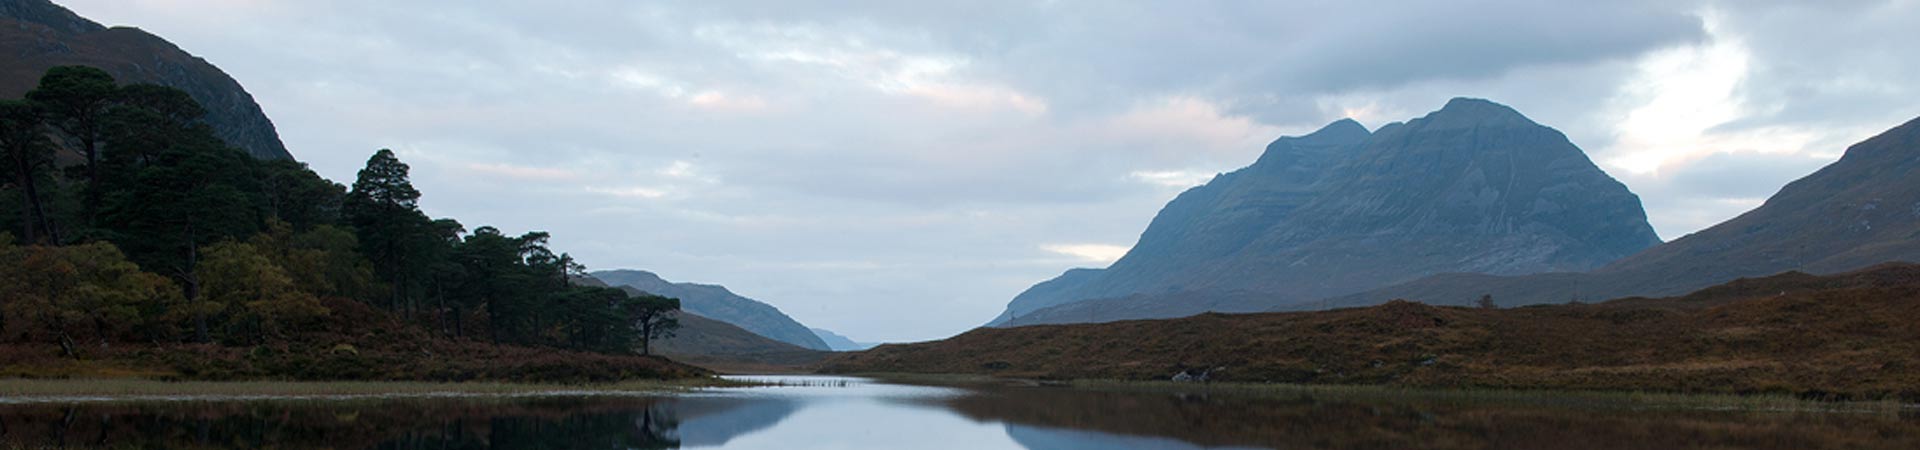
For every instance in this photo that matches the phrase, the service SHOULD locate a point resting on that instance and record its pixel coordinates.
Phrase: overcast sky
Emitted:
(898, 170)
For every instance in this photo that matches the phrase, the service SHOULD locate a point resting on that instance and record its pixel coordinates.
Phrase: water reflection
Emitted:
(859, 416)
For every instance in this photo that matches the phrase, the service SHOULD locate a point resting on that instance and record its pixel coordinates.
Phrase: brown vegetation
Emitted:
(1845, 336)
(355, 342)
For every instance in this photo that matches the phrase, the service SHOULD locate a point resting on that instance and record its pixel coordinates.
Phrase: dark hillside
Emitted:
(1850, 335)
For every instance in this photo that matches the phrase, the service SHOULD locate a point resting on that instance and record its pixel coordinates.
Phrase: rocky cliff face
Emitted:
(36, 35)
(718, 303)
(1473, 187)
(1857, 212)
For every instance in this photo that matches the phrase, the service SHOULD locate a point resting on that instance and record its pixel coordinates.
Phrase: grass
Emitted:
(34, 390)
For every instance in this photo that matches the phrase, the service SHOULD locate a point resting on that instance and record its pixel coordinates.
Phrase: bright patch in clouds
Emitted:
(1172, 178)
(717, 101)
(1679, 98)
(1092, 253)
(629, 192)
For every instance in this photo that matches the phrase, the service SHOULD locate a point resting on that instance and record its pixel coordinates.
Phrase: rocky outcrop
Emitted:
(1474, 187)
(718, 303)
(36, 35)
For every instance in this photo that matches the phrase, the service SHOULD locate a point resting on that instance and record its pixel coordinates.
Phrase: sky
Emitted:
(898, 171)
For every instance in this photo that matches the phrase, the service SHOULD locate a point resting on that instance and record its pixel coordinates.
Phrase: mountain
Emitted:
(1473, 187)
(1847, 336)
(840, 343)
(37, 35)
(1861, 210)
(718, 303)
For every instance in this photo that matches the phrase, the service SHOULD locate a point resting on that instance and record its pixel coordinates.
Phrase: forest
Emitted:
(130, 224)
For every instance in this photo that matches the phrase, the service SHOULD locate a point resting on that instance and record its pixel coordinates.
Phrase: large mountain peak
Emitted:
(1472, 187)
(1857, 212)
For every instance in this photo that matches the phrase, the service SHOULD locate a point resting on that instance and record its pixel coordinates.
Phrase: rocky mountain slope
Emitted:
(1472, 187)
(36, 35)
(718, 303)
(1859, 211)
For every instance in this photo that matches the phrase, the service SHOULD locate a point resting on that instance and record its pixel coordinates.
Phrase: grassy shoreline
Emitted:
(20, 390)
(1385, 393)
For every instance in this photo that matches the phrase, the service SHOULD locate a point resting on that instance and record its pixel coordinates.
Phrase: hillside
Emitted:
(1473, 187)
(721, 346)
(1849, 335)
(717, 345)
(37, 34)
(1861, 210)
(718, 303)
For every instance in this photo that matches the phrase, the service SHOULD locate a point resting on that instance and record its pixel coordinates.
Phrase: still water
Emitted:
(849, 413)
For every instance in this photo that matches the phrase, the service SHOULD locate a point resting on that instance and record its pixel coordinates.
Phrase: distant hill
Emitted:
(840, 343)
(717, 345)
(718, 303)
(1861, 210)
(1472, 187)
(721, 346)
(1845, 336)
(36, 35)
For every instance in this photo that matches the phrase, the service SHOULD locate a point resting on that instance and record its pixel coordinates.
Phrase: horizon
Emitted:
(897, 176)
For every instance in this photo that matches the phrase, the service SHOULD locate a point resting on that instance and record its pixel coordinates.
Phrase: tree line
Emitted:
(137, 224)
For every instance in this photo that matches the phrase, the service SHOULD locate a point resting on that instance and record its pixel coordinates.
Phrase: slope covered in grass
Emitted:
(1850, 335)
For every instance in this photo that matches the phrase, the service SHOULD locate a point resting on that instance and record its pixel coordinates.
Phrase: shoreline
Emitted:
(1639, 400)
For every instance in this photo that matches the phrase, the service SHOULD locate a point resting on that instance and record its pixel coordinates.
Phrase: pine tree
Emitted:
(384, 210)
(77, 99)
(28, 155)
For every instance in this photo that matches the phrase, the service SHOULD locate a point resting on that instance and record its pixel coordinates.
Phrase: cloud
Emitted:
(1172, 178)
(629, 192)
(1101, 254)
(521, 172)
(888, 169)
